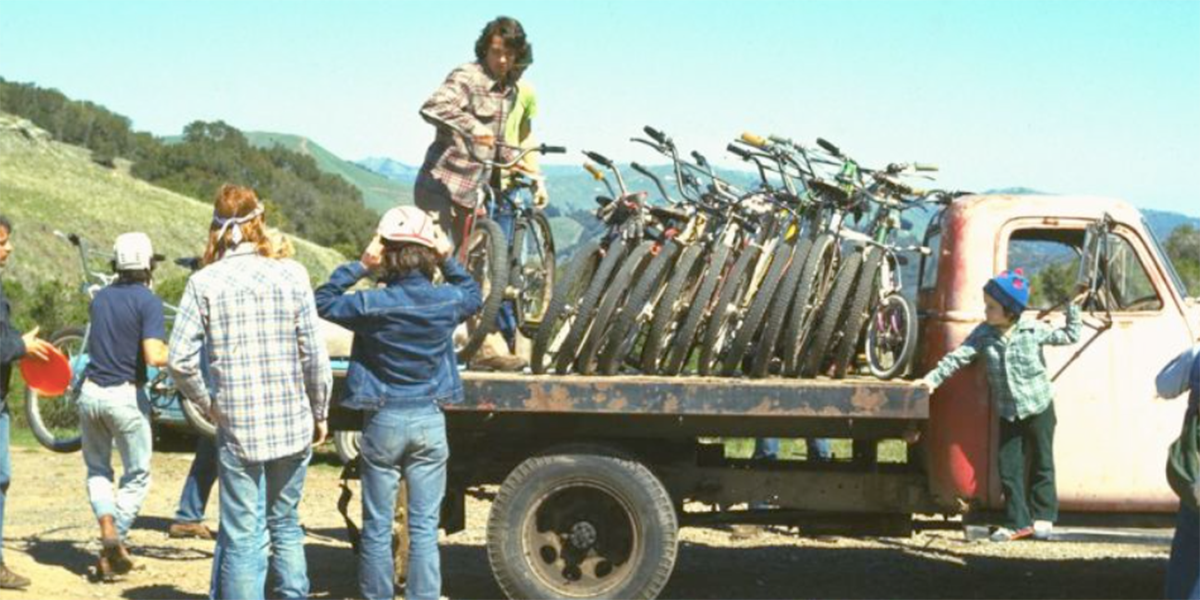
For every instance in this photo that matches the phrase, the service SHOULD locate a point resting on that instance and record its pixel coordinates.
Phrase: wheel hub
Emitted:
(583, 535)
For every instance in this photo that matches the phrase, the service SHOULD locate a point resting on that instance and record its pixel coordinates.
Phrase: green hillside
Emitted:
(379, 192)
(47, 186)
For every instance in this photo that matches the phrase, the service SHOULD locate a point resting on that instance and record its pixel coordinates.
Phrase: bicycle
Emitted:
(54, 421)
(517, 265)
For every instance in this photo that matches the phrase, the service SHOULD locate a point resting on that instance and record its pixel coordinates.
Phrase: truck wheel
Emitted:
(582, 526)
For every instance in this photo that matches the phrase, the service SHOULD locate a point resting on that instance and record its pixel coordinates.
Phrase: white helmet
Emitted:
(132, 252)
(408, 224)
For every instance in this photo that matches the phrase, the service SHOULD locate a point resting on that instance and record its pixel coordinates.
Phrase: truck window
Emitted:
(1129, 284)
(1050, 259)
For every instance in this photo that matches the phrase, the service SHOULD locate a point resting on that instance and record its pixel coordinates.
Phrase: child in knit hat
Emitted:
(1013, 346)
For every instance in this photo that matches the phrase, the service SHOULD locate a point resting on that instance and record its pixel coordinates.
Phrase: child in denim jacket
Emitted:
(1020, 389)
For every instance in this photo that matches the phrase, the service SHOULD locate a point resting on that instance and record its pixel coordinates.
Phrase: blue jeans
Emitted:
(198, 485)
(240, 560)
(5, 472)
(409, 443)
(506, 319)
(108, 415)
(768, 448)
(1183, 570)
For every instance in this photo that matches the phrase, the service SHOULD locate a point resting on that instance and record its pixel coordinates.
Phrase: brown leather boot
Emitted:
(182, 529)
(114, 551)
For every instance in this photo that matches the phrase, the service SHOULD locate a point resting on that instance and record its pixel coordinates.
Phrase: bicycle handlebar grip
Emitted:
(553, 149)
(594, 171)
(598, 158)
(73, 238)
(779, 139)
(925, 166)
(738, 150)
(829, 147)
(657, 135)
(643, 170)
(700, 160)
(753, 140)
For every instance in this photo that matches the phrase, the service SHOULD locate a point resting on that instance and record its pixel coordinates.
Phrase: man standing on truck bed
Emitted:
(1020, 388)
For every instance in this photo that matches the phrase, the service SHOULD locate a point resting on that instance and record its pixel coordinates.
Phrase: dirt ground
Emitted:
(50, 536)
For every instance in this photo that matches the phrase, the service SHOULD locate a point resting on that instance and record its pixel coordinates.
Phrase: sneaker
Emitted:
(184, 530)
(10, 580)
(1043, 530)
(1005, 534)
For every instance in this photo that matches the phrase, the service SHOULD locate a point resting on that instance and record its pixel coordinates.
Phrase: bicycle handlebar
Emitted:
(829, 147)
(598, 159)
(754, 140)
(656, 135)
(596, 174)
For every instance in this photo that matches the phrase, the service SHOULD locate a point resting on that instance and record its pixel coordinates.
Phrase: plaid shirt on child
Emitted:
(1016, 371)
(269, 366)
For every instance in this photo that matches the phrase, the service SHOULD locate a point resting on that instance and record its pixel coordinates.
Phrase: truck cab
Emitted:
(1112, 433)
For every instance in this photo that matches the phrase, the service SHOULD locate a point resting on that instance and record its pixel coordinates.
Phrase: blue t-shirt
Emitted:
(123, 314)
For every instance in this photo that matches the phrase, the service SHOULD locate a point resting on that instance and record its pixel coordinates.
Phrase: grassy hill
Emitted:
(379, 192)
(47, 186)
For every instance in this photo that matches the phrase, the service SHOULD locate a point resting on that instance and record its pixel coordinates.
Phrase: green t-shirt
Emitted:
(524, 109)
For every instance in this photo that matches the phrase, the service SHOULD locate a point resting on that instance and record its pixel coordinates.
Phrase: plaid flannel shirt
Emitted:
(473, 103)
(1016, 370)
(269, 366)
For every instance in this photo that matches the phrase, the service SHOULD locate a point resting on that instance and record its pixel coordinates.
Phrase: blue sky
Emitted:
(1073, 97)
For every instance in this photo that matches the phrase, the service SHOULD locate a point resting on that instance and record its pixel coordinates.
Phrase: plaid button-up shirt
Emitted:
(473, 103)
(1016, 371)
(269, 367)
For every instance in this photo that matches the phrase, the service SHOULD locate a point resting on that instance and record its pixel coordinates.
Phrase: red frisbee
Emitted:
(49, 377)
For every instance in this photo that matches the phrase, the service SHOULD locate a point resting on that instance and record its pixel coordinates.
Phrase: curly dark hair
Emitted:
(513, 34)
(401, 258)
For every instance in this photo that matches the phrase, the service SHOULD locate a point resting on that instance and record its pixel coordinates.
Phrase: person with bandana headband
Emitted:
(257, 319)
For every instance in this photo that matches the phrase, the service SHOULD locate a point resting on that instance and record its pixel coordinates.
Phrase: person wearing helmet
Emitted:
(402, 370)
(127, 334)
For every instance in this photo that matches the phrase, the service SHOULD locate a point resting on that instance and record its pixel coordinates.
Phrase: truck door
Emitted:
(1110, 444)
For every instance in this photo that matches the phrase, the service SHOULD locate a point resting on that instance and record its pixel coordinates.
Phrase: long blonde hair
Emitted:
(235, 201)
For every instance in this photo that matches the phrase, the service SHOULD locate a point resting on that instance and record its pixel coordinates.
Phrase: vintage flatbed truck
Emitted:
(597, 474)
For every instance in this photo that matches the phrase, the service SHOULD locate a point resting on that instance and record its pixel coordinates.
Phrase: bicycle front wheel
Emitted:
(487, 261)
(54, 420)
(891, 337)
(531, 272)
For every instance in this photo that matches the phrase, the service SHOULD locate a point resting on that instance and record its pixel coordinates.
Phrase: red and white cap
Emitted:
(408, 224)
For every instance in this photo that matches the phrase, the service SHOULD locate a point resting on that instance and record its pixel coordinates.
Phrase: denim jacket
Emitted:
(403, 352)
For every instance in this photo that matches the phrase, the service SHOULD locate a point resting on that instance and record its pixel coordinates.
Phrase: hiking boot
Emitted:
(1043, 530)
(1005, 534)
(10, 580)
(185, 530)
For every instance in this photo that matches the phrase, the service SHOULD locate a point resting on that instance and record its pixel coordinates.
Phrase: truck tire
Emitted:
(729, 312)
(819, 270)
(623, 335)
(830, 315)
(587, 306)
(865, 292)
(487, 257)
(684, 339)
(672, 308)
(582, 525)
(747, 336)
(569, 288)
(615, 295)
(781, 307)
